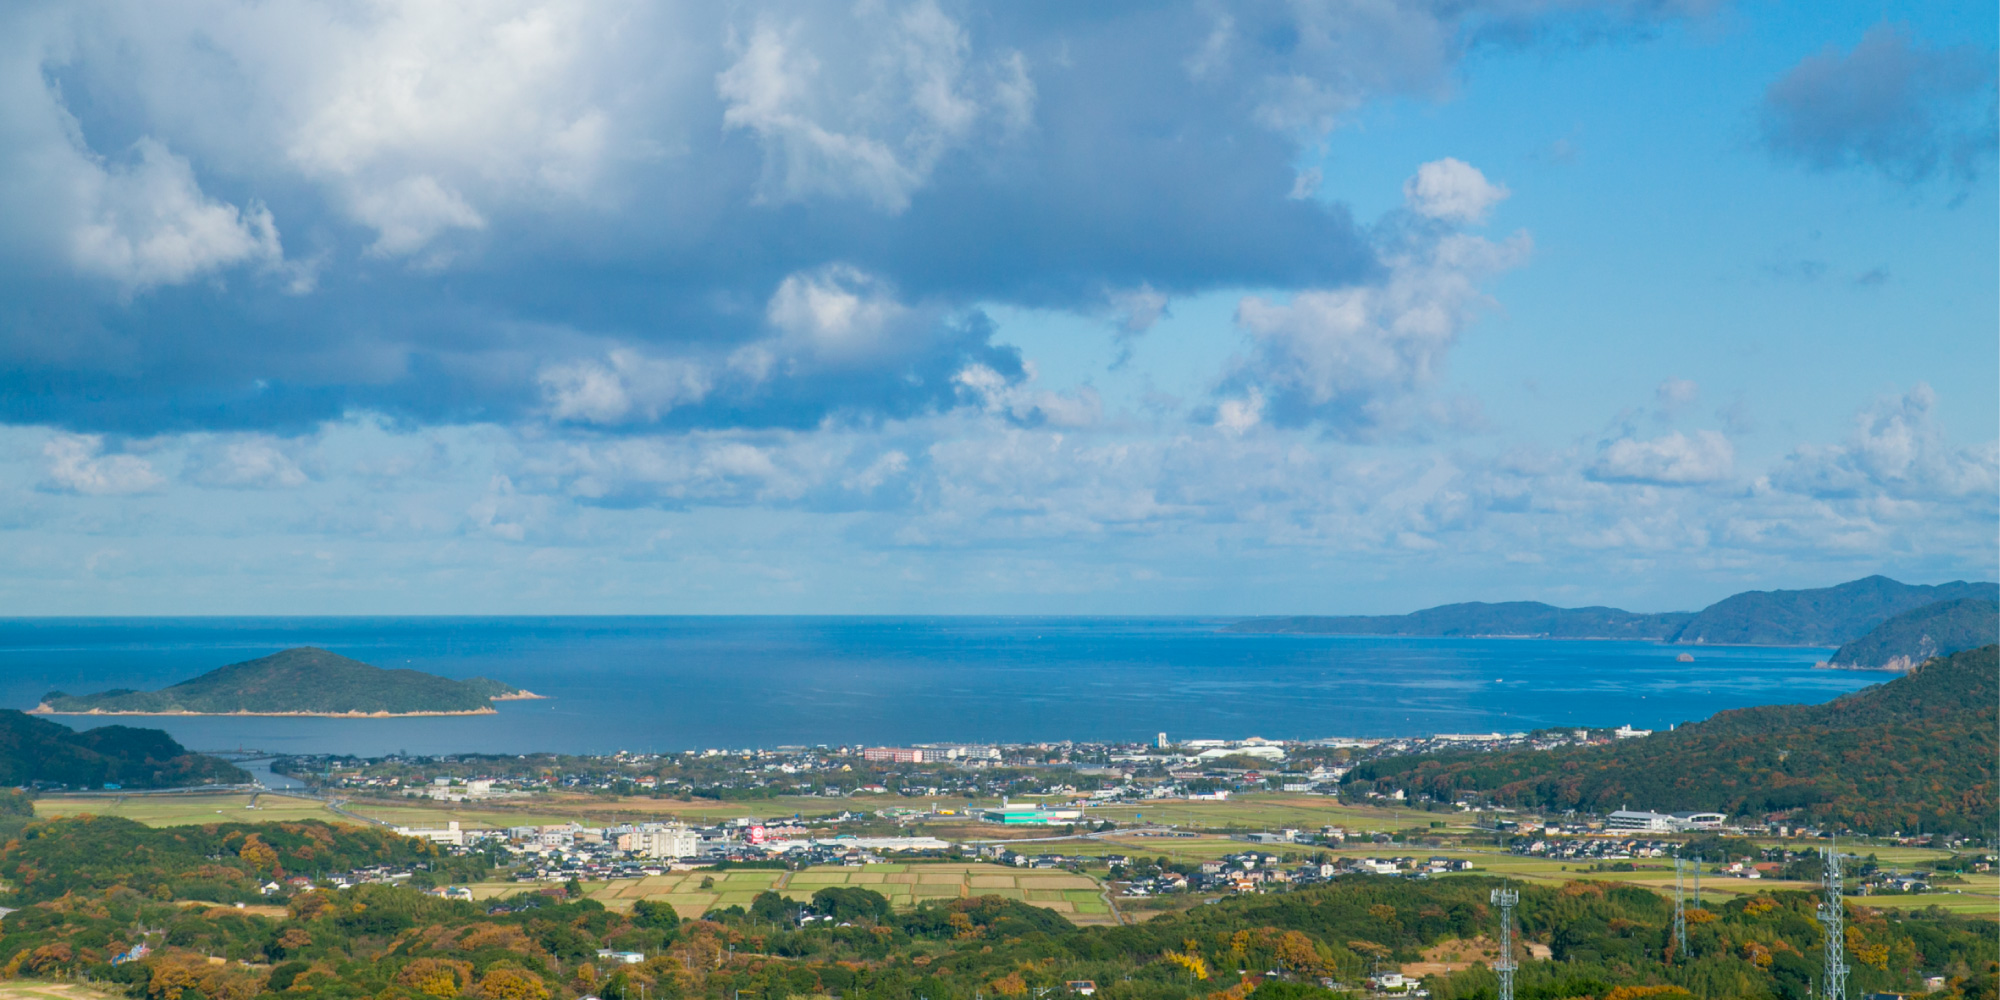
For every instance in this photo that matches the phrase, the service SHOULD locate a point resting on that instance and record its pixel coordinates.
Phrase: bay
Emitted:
(678, 683)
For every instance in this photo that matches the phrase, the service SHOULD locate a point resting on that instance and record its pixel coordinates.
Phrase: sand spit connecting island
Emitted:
(306, 681)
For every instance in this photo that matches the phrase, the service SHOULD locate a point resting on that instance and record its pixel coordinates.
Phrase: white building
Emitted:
(1652, 822)
(1634, 819)
(451, 835)
(659, 840)
(1261, 751)
(1698, 820)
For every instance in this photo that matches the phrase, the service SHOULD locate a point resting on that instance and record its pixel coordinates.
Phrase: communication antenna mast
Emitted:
(1697, 881)
(1505, 900)
(1832, 917)
(1680, 911)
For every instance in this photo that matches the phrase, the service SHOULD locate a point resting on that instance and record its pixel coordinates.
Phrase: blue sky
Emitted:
(581, 307)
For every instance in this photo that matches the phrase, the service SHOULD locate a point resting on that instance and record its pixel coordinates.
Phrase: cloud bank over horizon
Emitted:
(567, 304)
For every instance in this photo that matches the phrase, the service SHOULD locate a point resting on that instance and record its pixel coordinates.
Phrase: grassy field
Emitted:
(187, 810)
(22, 989)
(1074, 896)
(598, 811)
(1980, 894)
(1272, 811)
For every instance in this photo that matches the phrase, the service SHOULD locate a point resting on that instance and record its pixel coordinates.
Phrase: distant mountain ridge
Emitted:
(1477, 618)
(1826, 616)
(302, 681)
(1908, 639)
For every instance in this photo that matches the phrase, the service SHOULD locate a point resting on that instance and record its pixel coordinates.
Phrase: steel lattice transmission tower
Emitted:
(1833, 918)
(1680, 910)
(1505, 900)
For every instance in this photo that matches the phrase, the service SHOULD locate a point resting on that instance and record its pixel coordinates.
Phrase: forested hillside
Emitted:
(1912, 637)
(222, 862)
(1607, 942)
(1915, 753)
(37, 751)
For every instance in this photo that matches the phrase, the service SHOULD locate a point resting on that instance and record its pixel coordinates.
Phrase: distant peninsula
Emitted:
(1825, 616)
(1904, 642)
(302, 681)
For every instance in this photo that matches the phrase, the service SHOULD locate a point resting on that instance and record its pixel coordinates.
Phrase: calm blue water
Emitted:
(680, 683)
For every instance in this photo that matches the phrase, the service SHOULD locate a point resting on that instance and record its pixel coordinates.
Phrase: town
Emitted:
(1074, 807)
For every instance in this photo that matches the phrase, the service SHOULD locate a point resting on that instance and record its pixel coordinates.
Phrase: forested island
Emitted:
(302, 681)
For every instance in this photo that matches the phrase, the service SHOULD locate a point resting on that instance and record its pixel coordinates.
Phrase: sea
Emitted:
(662, 684)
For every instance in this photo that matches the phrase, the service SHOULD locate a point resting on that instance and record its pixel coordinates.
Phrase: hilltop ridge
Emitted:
(39, 752)
(302, 681)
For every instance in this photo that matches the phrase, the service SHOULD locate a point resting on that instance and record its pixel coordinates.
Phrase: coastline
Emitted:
(1897, 665)
(44, 709)
(521, 695)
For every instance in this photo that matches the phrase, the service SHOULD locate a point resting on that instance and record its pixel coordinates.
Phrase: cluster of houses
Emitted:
(1258, 871)
(1597, 848)
(1196, 768)
(560, 852)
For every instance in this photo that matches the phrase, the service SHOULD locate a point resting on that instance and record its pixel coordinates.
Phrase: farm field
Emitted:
(597, 810)
(1979, 901)
(186, 810)
(1275, 811)
(1074, 896)
(438, 814)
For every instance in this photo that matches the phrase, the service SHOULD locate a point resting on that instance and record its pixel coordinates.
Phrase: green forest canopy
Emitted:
(1915, 753)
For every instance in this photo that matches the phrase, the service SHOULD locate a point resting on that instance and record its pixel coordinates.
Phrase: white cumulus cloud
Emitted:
(1675, 459)
(250, 462)
(1452, 190)
(837, 312)
(1350, 355)
(866, 107)
(75, 463)
(148, 223)
(1024, 403)
(1896, 449)
(625, 386)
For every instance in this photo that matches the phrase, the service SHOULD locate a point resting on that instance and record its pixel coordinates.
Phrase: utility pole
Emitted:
(1505, 900)
(1680, 911)
(1833, 919)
